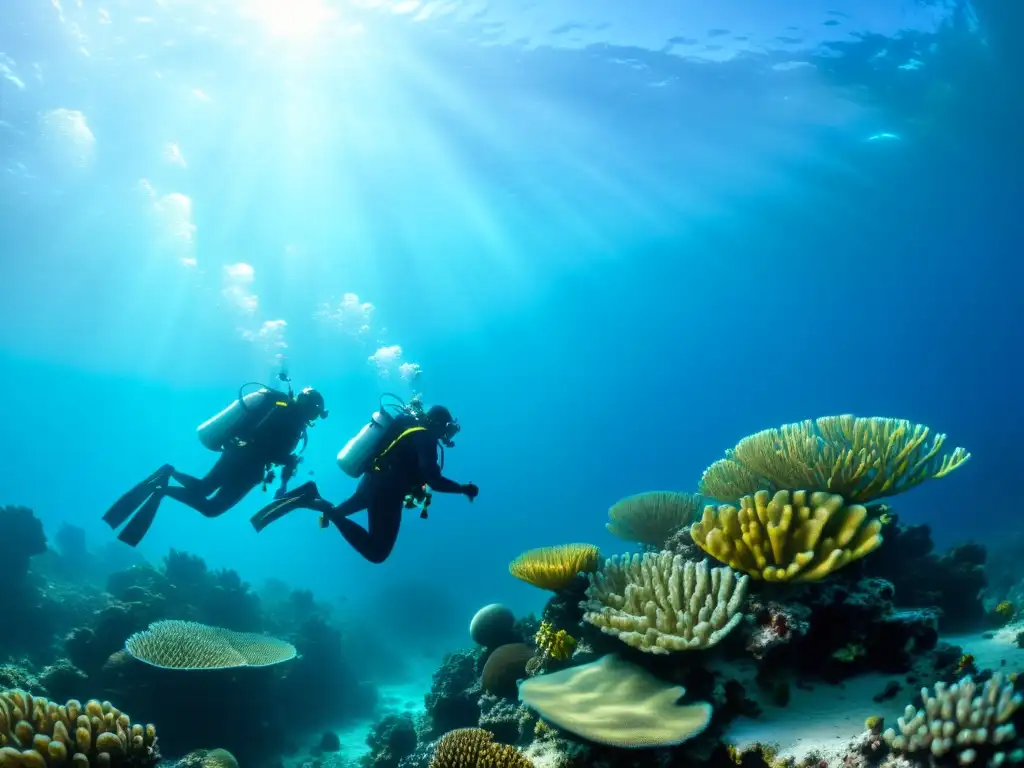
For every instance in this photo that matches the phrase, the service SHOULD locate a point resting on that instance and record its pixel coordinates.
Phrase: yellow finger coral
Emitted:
(651, 517)
(555, 568)
(190, 645)
(858, 458)
(788, 537)
(35, 732)
(475, 748)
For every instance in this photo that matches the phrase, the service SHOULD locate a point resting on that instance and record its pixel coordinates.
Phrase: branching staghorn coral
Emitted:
(190, 645)
(555, 568)
(788, 537)
(858, 458)
(651, 517)
(659, 602)
(35, 733)
(961, 718)
(475, 748)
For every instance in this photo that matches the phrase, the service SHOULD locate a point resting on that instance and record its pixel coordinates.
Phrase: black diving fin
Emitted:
(130, 501)
(306, 496)
(142, 520)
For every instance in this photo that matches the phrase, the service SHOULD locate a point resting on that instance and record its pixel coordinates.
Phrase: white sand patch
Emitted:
(998, 652)
(827, 718)
(823, 718)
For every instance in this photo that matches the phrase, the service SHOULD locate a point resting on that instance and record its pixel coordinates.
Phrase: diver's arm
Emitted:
(431, 472)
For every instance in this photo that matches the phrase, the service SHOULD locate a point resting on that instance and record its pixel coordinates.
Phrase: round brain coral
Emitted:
(555, 568)
(492, 625)
(503, 667)
(475, 748)
(35, 732)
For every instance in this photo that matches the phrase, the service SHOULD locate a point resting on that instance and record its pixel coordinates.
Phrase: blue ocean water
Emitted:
(613, 239)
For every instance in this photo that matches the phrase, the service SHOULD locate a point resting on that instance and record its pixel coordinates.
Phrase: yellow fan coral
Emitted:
(651, 517)
(475, 748)
(787, 537)
(35, 732)
(190, 645)
(555, 568)
(858, 458)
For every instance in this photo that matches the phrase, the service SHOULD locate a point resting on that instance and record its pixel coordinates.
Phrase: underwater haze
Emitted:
(612, 238)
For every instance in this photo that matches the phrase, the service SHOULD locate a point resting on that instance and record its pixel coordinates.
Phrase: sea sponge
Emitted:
(190, 645)
(505, 665)
(787, 537)
(614, 702)
(858, 458)
(660, 602)
(960, 718)
(35, 732)
(555, 568)
(651, 517)
(475, 748)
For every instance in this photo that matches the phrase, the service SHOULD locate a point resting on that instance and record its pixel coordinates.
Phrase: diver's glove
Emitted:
(470, 490)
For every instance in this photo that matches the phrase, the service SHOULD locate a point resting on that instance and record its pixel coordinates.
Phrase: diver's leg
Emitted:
(306, 496)
(376, 541)
(226, 465)
(130, 501)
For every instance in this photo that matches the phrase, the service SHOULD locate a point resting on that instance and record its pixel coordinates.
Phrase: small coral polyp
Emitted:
(35, 733)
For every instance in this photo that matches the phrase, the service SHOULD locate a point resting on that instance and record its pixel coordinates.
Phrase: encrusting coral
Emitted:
(796, 536)
(190, 645)
(960, 718)
(555, 568)
(35, 733)
(659, 602)
(858, 458)
(475, 748)
(557, 645)
(652, 517)
(616, 703)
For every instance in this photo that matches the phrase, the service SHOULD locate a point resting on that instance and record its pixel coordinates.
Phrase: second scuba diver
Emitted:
(254, 434)
(395, 457)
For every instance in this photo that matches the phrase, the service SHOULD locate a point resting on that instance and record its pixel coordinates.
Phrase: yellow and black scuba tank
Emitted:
(240, 420)
(376, 436)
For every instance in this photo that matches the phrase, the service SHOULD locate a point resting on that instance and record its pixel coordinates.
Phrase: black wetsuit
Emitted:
(407, 466)
(240, 468)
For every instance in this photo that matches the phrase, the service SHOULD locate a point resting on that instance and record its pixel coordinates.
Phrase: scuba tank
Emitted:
(357, 455)
(240, 419)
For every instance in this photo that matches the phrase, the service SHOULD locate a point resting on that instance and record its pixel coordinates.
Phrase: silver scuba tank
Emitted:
(355, 458)
(238, 418)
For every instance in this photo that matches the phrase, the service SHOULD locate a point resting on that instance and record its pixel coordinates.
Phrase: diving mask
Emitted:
(451, 429)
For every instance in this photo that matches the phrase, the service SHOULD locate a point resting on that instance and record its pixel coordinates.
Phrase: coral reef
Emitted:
(860, 459)
(660, 602)
(651, 518)
(187, 645)
(555, 568)
(475, 748)
(796, 536)
(35, 732)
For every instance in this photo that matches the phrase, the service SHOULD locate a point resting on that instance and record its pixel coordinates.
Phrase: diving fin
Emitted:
(130, 501)
(306, 496)
(142, 520)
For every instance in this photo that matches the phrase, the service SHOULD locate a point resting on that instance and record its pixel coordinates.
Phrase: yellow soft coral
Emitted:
(858, 458)
(789, 537)
(35, 732)
(556, 645)
(555, 568)
(475, 748)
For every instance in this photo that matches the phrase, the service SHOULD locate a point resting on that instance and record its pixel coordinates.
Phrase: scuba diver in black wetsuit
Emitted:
(255, 433)
(396, 458)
